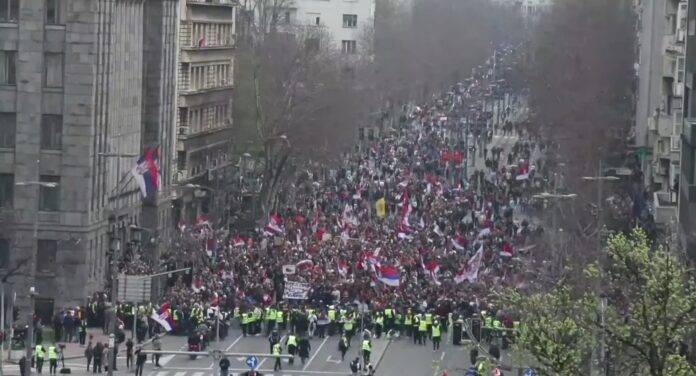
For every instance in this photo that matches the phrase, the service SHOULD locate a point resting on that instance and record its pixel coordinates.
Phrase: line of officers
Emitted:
(39, 356)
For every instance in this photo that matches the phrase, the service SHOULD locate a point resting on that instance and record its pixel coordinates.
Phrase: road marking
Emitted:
(261, 362)
(234, 343)
(289, 371)
(315, 353)
(181, 373)
(198, 373)
(331, 360)
(166, 359)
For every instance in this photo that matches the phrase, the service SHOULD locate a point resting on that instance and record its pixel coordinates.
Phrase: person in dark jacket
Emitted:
(303, 349)
(224, 366)
(355, 366)
(97, 361)
(140, 359)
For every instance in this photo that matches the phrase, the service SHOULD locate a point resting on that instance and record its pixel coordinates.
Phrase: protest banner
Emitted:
(296, 290)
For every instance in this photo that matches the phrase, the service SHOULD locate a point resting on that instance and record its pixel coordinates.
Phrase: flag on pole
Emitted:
(388, 275)
(431, 268)
(146, 170)
(163, 317)
(274, 226)
(470, 270)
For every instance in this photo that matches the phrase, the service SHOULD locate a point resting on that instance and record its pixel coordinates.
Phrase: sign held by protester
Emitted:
(296, 290)
(289, 269)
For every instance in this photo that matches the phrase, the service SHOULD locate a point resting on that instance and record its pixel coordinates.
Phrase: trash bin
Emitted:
(476, 329)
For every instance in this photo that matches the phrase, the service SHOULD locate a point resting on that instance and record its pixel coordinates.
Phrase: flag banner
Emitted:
(388, 275)
(146, 171)
(296, 290)
(470, 270)
(163, 317)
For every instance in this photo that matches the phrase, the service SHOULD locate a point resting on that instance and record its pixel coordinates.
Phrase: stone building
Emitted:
(81, 81)
(204, 102)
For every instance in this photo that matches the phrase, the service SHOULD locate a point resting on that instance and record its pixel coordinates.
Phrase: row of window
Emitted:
(204, 118)
(49, 197)
(51, 131)
(46, 254)
(9, 11)
(53, 69)
(209, 76)
(204, 34)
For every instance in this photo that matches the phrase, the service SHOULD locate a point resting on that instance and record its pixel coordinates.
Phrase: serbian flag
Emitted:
(431, 268)
(507, 250)
(470, 270)
(274, 226)
(146, 170)
(197, 285)
(459, 242)
(238, 241)
(343, 268)
(388, 275)
(163, 317)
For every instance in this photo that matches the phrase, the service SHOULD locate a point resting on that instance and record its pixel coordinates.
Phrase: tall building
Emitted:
(687, 183)
(204, 102)
(85, 87)
(659, 112)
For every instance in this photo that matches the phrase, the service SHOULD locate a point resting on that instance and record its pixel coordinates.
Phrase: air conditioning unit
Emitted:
(678, 89)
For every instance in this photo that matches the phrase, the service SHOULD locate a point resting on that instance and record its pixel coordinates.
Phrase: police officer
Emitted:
(435, 335)
(366, 349)
(39, 356)
(277, 349)
(343, 346)
(291, 343)
(52, 359)
(422, 331)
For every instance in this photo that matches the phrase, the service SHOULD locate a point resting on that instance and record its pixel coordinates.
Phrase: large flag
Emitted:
(470, 270)
(459, 242)
(274, 226)
(163, 317)
(342, 268)
(146, 170)
(388, 275)
(431, 268)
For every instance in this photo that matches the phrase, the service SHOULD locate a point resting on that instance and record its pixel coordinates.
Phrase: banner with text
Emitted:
(296, 290)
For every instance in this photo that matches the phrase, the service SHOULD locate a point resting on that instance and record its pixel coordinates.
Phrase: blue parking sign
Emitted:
(252, 362)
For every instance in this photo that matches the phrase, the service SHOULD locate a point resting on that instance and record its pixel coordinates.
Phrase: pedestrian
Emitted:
(97, 358)
(157, 346)
(355, 366)
(343, 346)
(291, 343)
(224, 366)
(435, 335)
(140, 359)
(83, 332)
(366, 350)
(303, 349)
(52, 359)
(277, 349)
(89, 353)
(129, 353)
(39, 356)
(23, 366)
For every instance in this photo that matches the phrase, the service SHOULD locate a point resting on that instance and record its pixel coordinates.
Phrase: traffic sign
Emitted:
(252, 362)
(529, 372)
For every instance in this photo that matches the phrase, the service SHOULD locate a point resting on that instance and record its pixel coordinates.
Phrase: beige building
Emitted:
(204, 104)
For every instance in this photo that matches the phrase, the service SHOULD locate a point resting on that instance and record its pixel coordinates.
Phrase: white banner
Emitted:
(296, 290)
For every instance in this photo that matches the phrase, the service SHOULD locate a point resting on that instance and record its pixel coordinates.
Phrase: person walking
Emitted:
(129, 353)
(435, 334)
(291, 343)
(224, 366)
(157, 346)
(89, 354)
(366, 350)
(140, 359)
(97, 360)
(355, 366)
(277, 350)
(303, 349)
(39, 356)
(83, 332)
(52, 360)
(343, 346)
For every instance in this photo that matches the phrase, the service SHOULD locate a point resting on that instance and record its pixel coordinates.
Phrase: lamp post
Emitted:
(598, 359)
(29, 340)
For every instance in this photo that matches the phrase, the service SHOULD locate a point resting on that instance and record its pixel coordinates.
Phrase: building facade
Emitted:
(687, 183)
(204, 104)
(85, 87)
(659, 109)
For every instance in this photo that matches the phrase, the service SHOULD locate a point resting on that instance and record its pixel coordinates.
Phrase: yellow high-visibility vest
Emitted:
(436, 330)
(381, 207)
(276, 349)
(422, 326)
(366, 345)
(292, 340)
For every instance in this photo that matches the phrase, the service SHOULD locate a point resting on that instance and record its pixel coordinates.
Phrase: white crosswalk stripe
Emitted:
(199, 373)
(182, 373)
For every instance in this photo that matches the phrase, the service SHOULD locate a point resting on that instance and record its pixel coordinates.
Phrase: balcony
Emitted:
(219, 3)
(671, 45)
(660, 124)
(665, 207)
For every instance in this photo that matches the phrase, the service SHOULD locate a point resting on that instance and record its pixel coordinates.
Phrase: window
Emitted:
(49, 198)
(8, 125)
(51, 132)
(9, 9)
(54, 14)
(348, 47)
(4, 253)
(46, 256)
(350, 20)
(286, 18)
(317, 21)
(8, 61)
(53, 70)
(6, 190)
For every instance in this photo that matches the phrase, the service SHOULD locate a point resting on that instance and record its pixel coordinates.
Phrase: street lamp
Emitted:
(29, 340)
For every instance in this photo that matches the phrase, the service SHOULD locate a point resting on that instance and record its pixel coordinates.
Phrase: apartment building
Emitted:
(204, 103)
(659, 110)
(85, 87)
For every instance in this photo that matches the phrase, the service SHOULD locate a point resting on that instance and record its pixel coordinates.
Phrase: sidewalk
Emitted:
(75, 350)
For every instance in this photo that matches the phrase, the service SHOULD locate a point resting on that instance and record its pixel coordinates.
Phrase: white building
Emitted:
(344, 20)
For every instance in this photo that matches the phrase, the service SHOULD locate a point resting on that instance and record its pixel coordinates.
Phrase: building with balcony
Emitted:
(80, 79)
(662, 30)
(204, 101)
